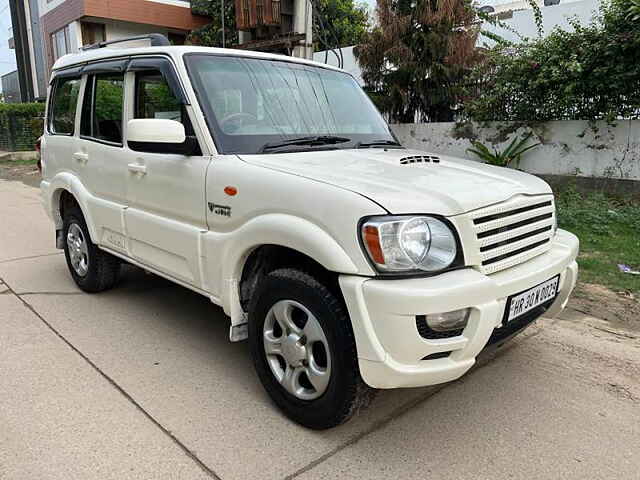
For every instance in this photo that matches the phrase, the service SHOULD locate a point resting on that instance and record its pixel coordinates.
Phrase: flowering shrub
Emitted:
(590, 73)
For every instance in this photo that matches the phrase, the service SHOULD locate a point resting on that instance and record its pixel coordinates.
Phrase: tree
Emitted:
(589, 73)
(339, 23)
(211, 34)
(415, 61)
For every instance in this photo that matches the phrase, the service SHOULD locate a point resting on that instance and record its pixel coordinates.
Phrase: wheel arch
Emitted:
(67, 188)
(276, 240)
(287, 231)
(266, 258)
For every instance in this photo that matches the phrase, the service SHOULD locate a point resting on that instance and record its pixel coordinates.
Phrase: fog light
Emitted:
(444, 322)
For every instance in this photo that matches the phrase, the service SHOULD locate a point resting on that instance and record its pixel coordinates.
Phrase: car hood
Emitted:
(449, 187)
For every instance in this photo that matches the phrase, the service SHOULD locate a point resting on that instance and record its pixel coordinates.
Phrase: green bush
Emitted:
(210, 35)
(590, 73)
(20, 125)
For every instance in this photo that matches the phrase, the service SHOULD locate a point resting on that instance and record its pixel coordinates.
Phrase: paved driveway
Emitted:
(141, 383)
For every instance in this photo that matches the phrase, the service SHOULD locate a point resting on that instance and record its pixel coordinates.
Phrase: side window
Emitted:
(154, 98)
(102, 108)
(63, 106)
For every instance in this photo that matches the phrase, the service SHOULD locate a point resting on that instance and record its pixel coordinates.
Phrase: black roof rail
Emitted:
(157, 40)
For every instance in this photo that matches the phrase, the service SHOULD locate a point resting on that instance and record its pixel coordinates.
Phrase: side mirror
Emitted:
(158, 135)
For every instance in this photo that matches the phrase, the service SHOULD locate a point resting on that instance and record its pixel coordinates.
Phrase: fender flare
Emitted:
(281, 230)
(66, 181)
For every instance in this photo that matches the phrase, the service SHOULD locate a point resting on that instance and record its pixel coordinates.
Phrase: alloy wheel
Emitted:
(297, 350)
(78, 249)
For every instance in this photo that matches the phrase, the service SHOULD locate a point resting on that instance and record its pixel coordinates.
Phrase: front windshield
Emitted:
(253, 102)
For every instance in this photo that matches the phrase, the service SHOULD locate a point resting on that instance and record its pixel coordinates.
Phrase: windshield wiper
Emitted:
(310, 140)
(378, 143)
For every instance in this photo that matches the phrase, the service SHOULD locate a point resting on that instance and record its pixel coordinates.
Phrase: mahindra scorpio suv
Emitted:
(273, 186)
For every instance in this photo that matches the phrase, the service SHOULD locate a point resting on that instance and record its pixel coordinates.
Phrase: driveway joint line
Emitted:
(9, 260)
(377, 425)
(403, 409)
(19, 294)
(203, 466)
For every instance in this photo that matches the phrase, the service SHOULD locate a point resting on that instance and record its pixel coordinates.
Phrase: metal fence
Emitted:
(19, 131)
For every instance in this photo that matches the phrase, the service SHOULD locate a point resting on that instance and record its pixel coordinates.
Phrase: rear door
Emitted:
(100, 148)
(166, 191)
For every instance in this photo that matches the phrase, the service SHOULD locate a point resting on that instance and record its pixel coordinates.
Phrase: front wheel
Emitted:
(304, 351)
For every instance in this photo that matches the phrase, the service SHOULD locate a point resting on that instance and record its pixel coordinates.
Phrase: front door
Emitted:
(166, 192)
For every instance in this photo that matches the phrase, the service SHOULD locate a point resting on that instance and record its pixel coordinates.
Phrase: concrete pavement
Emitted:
(141, 382)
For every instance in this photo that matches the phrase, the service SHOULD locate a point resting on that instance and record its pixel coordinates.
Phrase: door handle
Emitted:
(81, 157)
(137, 168)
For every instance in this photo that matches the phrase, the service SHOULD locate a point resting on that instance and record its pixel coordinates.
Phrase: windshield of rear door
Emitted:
(251, 102)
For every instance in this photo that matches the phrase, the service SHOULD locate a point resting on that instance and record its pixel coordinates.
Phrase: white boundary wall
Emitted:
(568, 147)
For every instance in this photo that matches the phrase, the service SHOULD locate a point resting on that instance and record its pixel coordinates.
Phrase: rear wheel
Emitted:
(92, 269)
(303, 350)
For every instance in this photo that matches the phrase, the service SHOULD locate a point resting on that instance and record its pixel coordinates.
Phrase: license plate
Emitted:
(526, 301)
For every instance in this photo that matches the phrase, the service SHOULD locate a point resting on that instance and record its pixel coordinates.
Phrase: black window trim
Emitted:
(66, 72)
(88, 79)
(145, 61)
(91, 77)
(106, 66)
(51, 110)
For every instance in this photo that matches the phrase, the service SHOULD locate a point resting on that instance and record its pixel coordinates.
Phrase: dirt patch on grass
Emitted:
(621, 309)
(27, 174)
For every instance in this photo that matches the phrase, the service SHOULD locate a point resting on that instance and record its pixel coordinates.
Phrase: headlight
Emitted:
(409, 243)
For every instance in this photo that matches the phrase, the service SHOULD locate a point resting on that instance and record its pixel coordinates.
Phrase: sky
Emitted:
(7, 56)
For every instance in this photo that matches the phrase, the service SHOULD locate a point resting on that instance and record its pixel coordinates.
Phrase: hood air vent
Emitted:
(419, 159)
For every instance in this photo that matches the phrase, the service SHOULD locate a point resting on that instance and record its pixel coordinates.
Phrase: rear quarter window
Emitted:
(63, 106)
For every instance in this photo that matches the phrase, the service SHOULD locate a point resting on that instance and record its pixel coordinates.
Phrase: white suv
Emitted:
(274, 187)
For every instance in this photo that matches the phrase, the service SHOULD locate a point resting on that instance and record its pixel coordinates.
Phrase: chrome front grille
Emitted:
(514, 231)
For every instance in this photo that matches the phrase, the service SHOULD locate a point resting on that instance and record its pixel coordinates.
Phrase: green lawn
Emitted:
(19, 162)
(609, 232)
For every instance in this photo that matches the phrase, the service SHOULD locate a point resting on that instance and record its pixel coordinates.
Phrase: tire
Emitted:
(342, 392)
(97, 270)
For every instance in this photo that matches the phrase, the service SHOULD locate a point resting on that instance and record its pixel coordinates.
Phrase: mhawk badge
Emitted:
(222, 210)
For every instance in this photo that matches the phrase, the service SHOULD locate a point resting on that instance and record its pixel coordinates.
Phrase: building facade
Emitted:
(45, 30)
(11, 87)
(27, 42)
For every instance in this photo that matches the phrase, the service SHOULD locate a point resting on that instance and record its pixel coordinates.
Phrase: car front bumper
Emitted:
(383, 313)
